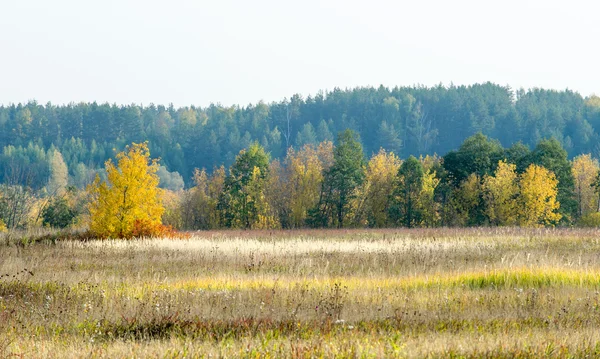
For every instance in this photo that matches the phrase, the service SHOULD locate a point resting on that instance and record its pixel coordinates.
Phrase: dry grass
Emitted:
(380, 293)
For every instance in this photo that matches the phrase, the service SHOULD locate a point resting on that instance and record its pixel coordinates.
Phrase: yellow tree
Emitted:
(199, 205)
(130, 202)
(585, 169)
(538, 205)
(172, 201)
(303, 179)
(429, 208)
(500, 194)
(464, 202)
(325, 154)
(262, 216)
(376, 192)
(430, 162)
(277, 193)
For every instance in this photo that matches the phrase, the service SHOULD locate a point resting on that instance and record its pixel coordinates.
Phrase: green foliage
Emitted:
(27, 166)
(199, 204)
(59, 214)
(405, 208)
(307, 136)
(590, 220)
(519, 155)
(16, 206)
(46, 148)
(341, 181)
(551, 155)
(404, 120)
(242, 201)
(477, 154)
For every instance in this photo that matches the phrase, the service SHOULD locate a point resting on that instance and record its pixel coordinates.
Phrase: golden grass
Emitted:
(385, 293)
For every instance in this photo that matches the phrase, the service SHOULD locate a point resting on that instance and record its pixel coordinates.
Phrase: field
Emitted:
(302, 294)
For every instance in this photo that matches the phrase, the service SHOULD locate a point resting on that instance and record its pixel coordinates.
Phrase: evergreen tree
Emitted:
(341, 181)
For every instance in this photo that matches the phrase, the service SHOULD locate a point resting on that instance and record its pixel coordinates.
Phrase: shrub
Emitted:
(147, 228)
(58, 214)
(590, 220)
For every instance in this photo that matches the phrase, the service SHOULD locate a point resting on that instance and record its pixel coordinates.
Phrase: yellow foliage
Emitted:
(429, 208)
(593, 101)
(199, 207)
(172, 202)
(585, 169)
(538, 205)
(325, 154)
(304, 172)
(500, 193)
(429, 162)
(464, 201)
(2, 226)
(471, 189)
(376, 192)
(129, 198)
(255, 195)
(278, 195)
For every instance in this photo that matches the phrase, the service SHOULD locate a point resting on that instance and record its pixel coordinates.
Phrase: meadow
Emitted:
(487, 292)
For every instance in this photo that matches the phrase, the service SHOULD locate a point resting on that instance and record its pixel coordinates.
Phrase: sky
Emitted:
(240, 52)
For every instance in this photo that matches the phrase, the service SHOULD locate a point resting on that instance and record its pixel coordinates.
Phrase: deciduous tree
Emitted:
(405, 209)
(538, 204)
(59, 175)
(477, 154)
(429, 208)
(241, 203)
(464, 203)
(551, 155)
(585, 169)
(304, 176)
(340, 182)
(129, 202)
(378, 187)
(500, 193)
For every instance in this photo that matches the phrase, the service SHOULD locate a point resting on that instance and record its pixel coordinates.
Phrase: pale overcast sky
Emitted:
(238, 52)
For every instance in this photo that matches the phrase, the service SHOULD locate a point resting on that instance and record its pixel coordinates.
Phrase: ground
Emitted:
(363, 293)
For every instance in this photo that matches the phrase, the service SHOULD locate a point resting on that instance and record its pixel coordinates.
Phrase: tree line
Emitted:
(324, 185)
(403, 120)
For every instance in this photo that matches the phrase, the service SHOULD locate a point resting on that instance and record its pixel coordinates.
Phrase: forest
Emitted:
(415, 157)
(321, 186)
(404, 120)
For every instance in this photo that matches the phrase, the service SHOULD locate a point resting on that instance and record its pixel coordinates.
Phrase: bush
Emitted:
(145, 228)
(590, 220)
(59, 214)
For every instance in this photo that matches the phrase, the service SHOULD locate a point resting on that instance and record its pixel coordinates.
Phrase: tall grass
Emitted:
(334, 293)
